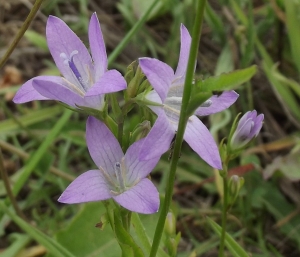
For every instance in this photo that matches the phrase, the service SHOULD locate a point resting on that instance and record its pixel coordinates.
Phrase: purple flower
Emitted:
(85, 80)
(168, 92)
(121, 177)
(248, 127)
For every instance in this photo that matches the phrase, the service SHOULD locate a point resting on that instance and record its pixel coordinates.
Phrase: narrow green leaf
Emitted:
(36, 39)
(8, 126)
(19, 242)
(292, 9)
(39, 153)
(231, 244)
(227, 81)
(282, 92)
(51, 245)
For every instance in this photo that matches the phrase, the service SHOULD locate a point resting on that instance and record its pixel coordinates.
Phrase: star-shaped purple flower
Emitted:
(168, 90)
(121, 177)
(85, 80)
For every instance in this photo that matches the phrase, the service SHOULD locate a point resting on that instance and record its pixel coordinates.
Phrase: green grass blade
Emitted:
(50, 244)
(227, 81)
(8, 126)
(231, 244)
(39, 153)
(292, 9)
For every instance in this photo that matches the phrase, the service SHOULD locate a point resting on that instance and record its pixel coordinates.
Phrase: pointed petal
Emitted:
(154, 97)
(103, 146)
(97, 47)
(55, 90)
(159, 138)
(111, 81)
(27, 92)
(137, 169)
(159, 74)
(95, 102)
(202, 142)
(184, 52)
(88, 187)
(258, 124)
(62, 40)
(219, 103)
(142, 198)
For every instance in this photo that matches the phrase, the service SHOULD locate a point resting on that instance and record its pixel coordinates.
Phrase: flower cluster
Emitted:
(84, 83)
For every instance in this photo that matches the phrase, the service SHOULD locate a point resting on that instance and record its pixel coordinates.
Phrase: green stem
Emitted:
(9, 192)
(224, 215)
(130, 34)
(21, 32)
(181, 126)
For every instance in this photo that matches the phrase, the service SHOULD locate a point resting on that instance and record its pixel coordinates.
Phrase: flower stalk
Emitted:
(21, 32)
(181, 127)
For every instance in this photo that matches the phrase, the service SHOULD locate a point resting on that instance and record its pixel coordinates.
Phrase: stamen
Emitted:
(119, 175)
(207, 103)
(70, 62)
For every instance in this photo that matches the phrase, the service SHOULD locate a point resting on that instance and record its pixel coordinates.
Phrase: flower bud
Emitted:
(170, 225)
(235, 184)
(247, 128)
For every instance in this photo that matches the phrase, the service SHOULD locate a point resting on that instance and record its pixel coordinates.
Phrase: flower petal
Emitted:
(154, 97)
(55, 90)
(95, 102)
(159, 74)
(111, 81)
(184, 53)
(27, 92)
(142, 198)
(97, 47)
(219, 103)
(137, 169)
(159, 139)
(202, 142)
(88, 187)
(258, 124)
(62, 40)
(103, 146)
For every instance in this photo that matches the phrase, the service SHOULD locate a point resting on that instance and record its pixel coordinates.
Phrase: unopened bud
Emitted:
(248, 128)
(170, 225)
(235, 184)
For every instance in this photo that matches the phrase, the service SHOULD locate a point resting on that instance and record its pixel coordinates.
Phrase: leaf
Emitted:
(8, 126)
(225, 62)
(227, 81)
(292, 9)
(36, 39)
(51, 245)
(287, 165)
(83, 239)
(19, 242)
(231, 244)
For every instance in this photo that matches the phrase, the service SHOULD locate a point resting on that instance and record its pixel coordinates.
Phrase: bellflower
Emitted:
(248, 128)
(85, 80)
(121, 177)
(168, 90)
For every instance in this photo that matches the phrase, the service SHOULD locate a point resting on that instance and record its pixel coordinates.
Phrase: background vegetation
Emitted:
(44, 149)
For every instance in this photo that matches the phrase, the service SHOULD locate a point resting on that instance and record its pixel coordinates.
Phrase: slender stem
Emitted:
(181, 126)
(130, 34)
(224, 215)
(8, 188)
(21, 32)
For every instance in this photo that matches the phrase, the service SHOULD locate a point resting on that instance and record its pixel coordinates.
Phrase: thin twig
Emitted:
(21, 32)
(9, 192)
